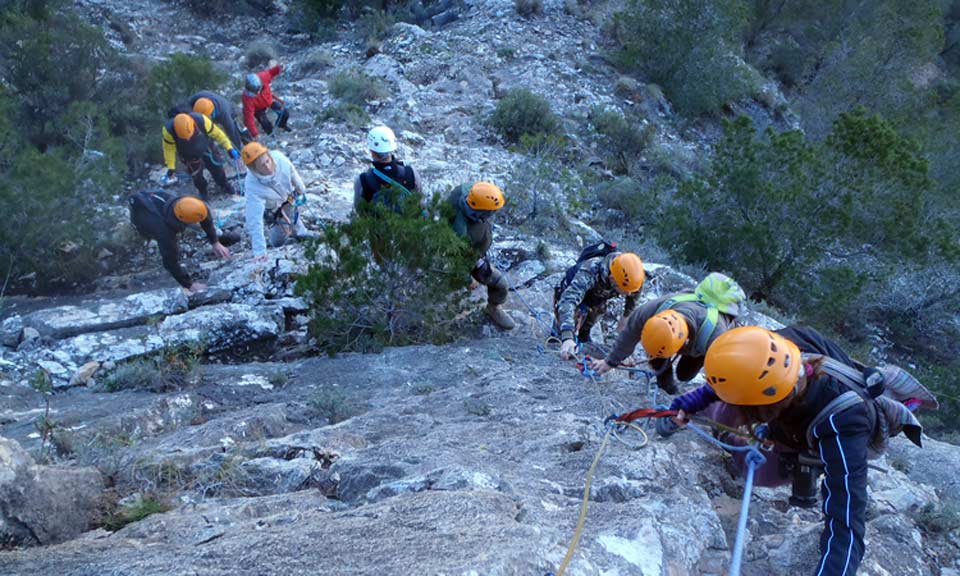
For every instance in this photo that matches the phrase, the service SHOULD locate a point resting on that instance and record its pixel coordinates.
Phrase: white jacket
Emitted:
(268, 193)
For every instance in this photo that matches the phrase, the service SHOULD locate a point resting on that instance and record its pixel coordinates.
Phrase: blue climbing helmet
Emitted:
(253, 84)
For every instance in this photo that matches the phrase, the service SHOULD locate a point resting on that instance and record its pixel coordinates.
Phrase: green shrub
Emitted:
(789, 217)
(178, 78)
(639, 201)
(522, 113)
(345, 112)
(690, 47)
(527, 8)
(355, 87)
(333, 405)
(410, 292)
(168, 370)
(623, 139)
(259, 54)
(140, 509)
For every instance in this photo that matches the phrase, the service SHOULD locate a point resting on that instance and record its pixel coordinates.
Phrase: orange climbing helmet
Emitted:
(252, 151)
(203, 106)
(750, 366)
(190, 210)
(627, 271)
(664, 334)
(485, 196)
(184, 126)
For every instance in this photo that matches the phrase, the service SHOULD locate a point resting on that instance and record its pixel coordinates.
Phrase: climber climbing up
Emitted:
(257, 98)
(189, 135)
(220, 110)
(471, 208)
(389, 181)
(681, 324)
(161, 215)
(582, 296)
(274, 193)
(823, 405)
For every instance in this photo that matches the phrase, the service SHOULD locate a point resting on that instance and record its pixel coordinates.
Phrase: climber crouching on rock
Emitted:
(678, 327)
(161, 215)
(258, 97)
(470, 209)
(822, 404)
(581, 301)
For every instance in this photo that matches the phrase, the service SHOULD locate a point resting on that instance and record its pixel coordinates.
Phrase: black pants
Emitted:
(214, 164)
(842, 444)
(490, 277)
(282, 116)
(686, 369)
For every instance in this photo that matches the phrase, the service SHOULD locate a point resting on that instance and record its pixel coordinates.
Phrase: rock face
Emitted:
(44, 504)
(466, 458)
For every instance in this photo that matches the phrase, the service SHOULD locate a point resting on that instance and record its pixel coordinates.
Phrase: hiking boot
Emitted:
(286, 128)
(500, 317)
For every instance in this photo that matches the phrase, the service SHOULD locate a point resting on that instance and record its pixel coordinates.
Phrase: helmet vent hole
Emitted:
(770, 391)
(763, 374)
(773, 346)
(786, 361)
(771, 361)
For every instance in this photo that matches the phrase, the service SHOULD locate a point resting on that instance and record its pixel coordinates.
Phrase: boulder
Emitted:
(106, 314)
(10, 330)
(42, 505)
(224, 326)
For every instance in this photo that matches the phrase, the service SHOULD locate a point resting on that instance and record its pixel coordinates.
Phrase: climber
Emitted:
(759, 376)
(220, 110)
(583, 299)
(389, 181)
(470, 208)
(258, 98)
(189, 135)
(161, 215)
(274, 192)
(668, 326)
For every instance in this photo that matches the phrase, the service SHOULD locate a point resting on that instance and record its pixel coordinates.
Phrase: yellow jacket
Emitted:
(196, 146)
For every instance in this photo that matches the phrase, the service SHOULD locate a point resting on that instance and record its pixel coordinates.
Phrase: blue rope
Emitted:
(236, 168)
(212, 159)
(754, 459)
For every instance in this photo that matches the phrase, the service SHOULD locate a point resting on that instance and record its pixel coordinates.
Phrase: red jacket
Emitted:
(261, 101)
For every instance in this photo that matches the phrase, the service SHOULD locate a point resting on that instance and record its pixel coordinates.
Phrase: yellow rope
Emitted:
(583, 507)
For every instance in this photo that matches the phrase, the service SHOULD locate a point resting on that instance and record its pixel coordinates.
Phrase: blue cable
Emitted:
(536, 315)
(754, 459)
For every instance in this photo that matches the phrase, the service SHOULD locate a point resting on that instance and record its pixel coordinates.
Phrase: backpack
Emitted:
(595, 250)
(884, 397)
(719, 293)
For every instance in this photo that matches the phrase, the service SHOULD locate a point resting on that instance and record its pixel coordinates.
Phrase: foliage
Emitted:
(179, 77)
(636, 199)
(355, 87)
(790, 217)
(527, 8)
(410, 291)
(259, 54)
(45, 425)
(690, 47)
(623, 139)
(333, 405)
(171, 369)
(347, 113)
(143, 506)
(522, 113)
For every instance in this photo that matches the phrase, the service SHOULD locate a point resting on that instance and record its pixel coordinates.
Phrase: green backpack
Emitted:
(719, 293)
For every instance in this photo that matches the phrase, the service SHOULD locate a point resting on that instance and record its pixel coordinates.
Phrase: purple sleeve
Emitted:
(695, 400)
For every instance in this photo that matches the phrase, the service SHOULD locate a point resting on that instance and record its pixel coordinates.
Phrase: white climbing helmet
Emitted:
(381, 140)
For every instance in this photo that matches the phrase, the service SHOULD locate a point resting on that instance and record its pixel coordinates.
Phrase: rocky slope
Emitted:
(462, 459)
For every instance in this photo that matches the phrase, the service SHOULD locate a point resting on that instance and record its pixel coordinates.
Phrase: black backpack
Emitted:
(596, 250)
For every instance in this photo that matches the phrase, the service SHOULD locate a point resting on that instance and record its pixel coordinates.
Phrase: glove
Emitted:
(234, 154)
(169, 179)
(568, 349)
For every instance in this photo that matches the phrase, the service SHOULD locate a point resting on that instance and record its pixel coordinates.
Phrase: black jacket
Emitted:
(151, 212)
